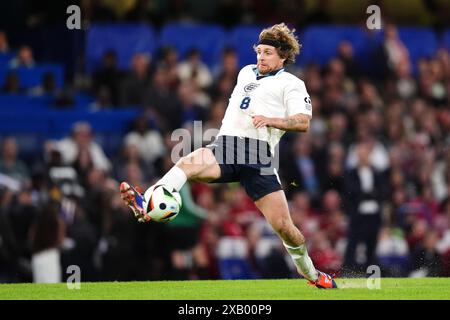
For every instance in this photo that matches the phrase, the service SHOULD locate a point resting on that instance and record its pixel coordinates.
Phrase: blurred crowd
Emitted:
(369, 184)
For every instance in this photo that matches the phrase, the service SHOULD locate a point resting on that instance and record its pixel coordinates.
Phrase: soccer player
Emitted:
(266, 102)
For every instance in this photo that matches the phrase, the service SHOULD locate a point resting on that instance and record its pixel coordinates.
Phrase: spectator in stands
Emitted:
(346, 55)
(12, 84)
(191, 110)
(184, 239)
(4, 45)
(393, 49)
(303, 215)
(405, 82)
(169, 63)
(117, 250)
(323, 254)
(332, 218)
(102, 101)
(107, 78)
(193, 69)
(229, 66)
(392, 252)
(82, 138)
(135, 85)
(338, 128)
(216, 113)
(379, 157)
(426, 261)
(130, 163)
(83, 164)
(9, 245)
(440, 178)
(369, 96)
(24, 58)
(302, 171)
(11, 165)
(163, 102)
(46, 236)
(82, 236)
(332, 175)
(363, 203)
(148, 141)
(46, 88)
(225, 75)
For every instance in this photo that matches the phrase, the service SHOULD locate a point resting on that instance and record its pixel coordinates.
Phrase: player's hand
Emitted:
(261, 121)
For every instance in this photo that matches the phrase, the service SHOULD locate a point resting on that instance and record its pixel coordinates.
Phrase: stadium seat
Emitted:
(6, 57)
(33, 122)
(319, 43)
(14, 103)
(242, 38)
(32, 77)
(446, 39)
(125, 39)
(209, 39)
(420, 41)
(107, 121)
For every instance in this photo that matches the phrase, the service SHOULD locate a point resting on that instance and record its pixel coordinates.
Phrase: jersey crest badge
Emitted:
(251, 86)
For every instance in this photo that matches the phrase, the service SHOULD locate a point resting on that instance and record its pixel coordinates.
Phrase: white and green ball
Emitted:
(162, 203)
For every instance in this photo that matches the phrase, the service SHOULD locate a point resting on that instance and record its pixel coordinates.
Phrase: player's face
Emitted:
(268, 59)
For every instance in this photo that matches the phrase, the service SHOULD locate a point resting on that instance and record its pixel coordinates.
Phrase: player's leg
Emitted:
(276, 211)
(199, 165)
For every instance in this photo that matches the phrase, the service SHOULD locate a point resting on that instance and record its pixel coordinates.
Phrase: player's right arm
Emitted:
(298, 110)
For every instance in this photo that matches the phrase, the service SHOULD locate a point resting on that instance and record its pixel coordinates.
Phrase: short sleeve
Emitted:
(296, 99)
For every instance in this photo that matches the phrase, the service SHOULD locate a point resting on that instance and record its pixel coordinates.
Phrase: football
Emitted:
(162, 203)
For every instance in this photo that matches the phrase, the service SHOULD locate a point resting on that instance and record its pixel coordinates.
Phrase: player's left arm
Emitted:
(297, 122)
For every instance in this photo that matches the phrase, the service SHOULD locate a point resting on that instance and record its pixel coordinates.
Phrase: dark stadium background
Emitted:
(125, 81)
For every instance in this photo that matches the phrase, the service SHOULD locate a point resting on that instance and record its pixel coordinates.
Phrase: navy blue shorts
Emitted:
(248, 161)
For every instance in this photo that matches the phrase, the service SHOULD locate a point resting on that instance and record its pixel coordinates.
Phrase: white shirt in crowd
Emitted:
(150, 145)
(69, 152)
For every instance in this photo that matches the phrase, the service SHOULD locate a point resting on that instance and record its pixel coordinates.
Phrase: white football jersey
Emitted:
(277, 95)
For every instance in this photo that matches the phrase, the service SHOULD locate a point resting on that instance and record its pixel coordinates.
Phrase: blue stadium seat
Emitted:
(32, 77)
(232, 256)
(125, 39)
(319, 43)
(446, 39)
(6, 57)
(83, 101)
(235, 268)
(420, 41)
(107, 121)
(34, 126)
(242, 38)
(33, 122)
(15, 103)
(209, 39)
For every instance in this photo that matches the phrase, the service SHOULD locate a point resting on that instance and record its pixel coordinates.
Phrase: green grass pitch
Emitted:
(289, 289)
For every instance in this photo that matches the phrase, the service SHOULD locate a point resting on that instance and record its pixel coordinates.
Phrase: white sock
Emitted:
(303, 262)
(174, 178)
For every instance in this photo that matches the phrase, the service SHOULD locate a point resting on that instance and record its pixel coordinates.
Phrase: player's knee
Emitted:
(186, 164)
(191, 165)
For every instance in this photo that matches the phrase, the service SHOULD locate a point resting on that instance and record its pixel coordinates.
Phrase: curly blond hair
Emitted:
(289, 43)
